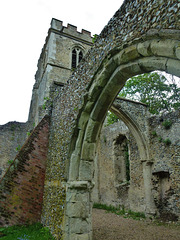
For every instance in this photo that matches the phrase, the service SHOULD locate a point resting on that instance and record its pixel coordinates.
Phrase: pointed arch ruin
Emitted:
(139, 57)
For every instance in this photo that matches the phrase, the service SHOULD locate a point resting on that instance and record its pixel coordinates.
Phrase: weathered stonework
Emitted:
(111, 185)
(112, 63)
(12, 137)
(166, 164)
(142, 36)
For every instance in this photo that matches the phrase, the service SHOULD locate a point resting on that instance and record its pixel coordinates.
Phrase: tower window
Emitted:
(77, 55)
(74, 56)
(80, 55)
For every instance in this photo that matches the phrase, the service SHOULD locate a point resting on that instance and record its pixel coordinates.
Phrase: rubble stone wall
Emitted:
(165, 149)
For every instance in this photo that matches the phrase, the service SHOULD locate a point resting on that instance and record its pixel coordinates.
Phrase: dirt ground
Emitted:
(108, 226)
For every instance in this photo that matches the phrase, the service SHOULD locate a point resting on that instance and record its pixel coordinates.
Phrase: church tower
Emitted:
(63, 50)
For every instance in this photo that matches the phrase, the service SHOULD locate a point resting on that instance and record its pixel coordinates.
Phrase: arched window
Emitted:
(80, 55)
(77, 55)
(74, 56)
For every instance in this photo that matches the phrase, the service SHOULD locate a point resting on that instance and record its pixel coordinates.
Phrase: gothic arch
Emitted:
(110, 79)
(122, 63)
(135, 129)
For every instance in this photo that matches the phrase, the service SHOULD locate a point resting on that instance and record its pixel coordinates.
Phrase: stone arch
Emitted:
(135, 130)
(110, 79)
(151, 53)
(141, 139)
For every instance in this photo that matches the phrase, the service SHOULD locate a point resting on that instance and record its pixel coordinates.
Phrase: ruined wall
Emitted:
(165, 149)
(118, 147)
(112, 186)
(105, 182)
(21, 188)
(135, 22)
(12, 137)
(165, 168)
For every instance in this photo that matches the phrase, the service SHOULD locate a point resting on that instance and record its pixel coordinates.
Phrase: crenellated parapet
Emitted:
(70, 30)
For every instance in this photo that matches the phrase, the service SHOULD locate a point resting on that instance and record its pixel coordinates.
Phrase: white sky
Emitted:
(24, 25)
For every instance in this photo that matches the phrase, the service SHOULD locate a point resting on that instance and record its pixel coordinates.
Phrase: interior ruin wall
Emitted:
(165, 167)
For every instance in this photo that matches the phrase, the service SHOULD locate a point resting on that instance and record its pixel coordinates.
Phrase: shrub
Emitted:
(167, 124)
(167, 141)
(154, 133)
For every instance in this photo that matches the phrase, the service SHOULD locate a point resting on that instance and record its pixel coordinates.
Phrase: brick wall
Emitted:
(21, 188)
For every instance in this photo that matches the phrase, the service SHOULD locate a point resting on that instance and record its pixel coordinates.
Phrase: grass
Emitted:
(30, 232)
(120, 211)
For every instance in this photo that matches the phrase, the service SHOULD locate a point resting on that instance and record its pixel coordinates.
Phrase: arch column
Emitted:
(150, 208)
(78, 220)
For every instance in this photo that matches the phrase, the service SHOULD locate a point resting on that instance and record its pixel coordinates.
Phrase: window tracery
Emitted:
(77, 55)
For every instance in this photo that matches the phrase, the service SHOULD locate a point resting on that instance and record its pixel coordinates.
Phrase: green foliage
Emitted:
(136, 215)
(28, 134)
(160, 93)
(18, 148)
(167, 141)
(10, 161)
(154, 133)
(167, 124)
(13, 127)
(111, 118)
(155, 90)
(94, 38)
(46, 101)
(109, 208)
(160, 139)
(120, 211)
(30, 232)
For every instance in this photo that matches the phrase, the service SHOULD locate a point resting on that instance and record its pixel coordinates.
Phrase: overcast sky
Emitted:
(24, 25)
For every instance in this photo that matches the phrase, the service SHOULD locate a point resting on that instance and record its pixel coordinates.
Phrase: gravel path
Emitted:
(108, 226)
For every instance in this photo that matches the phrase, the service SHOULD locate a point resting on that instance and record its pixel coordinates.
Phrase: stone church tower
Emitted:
(63, 50)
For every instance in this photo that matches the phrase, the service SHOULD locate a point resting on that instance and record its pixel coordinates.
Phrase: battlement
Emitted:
(70, 30)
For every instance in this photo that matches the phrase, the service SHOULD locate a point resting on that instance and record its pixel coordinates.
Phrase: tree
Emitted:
(161, 93)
